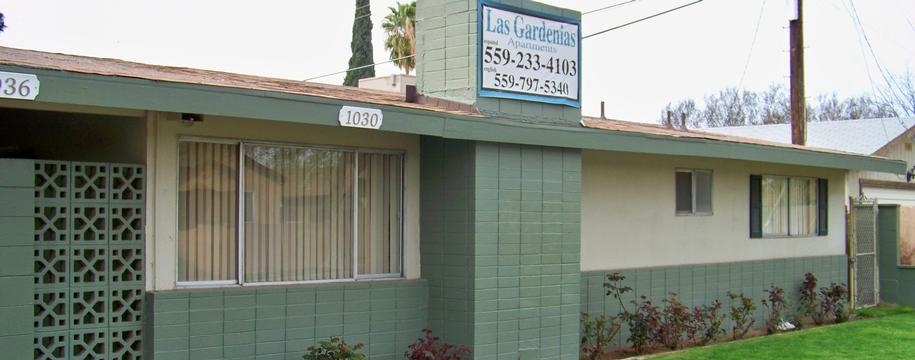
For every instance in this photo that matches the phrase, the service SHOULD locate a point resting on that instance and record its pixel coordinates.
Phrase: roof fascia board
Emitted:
(476, 129)
(142, 94)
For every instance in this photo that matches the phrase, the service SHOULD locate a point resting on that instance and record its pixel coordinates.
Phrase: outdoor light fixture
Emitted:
(191, 117)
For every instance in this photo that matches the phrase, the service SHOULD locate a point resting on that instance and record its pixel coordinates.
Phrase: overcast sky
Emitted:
(637, 69)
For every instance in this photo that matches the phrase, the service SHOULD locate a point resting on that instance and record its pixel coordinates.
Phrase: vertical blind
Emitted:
(379, 215)
(803, 206)
(775, 205)
(207, 211)
(789, 206)
(302, 218)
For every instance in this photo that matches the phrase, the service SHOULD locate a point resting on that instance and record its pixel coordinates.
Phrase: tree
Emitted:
(735, 107)
(401, 35)
(2, 25)
(900, 92)
(361, 46)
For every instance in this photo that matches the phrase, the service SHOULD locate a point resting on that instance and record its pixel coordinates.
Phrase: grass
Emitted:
(887, 334)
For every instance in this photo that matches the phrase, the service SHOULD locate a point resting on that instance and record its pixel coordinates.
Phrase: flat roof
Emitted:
(118, 84)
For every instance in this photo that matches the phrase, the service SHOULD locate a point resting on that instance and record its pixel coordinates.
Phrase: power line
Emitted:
(892, 86)
(608, 7)
(360, 67)
(642, 19)
(752, 45)
(584, 37)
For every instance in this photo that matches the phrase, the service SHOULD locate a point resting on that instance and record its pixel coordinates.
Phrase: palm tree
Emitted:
(401, 33)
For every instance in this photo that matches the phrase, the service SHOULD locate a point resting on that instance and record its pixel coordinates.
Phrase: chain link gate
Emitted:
(89, 271)
(863, 252)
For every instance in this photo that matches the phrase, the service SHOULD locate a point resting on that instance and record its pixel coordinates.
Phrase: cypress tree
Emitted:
(361, 45)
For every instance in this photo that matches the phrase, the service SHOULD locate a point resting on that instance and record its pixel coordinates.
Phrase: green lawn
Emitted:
(890, 334)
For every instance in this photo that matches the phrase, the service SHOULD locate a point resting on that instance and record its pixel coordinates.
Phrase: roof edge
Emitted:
(111, 91)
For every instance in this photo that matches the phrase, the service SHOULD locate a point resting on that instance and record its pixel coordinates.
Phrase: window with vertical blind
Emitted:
(787, 206)
(262, 213)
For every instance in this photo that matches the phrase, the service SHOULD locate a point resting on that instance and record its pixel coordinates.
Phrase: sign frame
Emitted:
(508, 94)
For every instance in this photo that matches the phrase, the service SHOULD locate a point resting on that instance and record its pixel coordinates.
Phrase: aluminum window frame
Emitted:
(693, 197)
(240, 191)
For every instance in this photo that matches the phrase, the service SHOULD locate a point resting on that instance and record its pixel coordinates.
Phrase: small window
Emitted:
(694, 192)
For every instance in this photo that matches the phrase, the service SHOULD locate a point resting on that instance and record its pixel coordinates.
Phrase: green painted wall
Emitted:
(447, 64)
(273, 322)
(501, 247)
(701, 284)
(446, 236)
(17, 183)
(897, 284)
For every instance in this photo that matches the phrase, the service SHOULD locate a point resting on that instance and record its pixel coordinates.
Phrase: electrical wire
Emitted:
(746, 65)
(584, 37)
(892, 86)
(360, 67)
(608, 7)
(642, 19)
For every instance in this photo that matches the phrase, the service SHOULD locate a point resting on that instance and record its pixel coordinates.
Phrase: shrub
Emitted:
(706, 323)
(835, 301)
(430, 347)
(776, 305)
(675, 322)
(809, 302)
(597, 334)
(642, 324)
(742, 314)
(334, 349)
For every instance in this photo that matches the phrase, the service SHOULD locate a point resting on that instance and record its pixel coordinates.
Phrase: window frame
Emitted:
(816, 182)
(240, 216)
(693, 211)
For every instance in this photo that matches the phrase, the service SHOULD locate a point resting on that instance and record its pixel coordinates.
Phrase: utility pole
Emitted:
(798, 104)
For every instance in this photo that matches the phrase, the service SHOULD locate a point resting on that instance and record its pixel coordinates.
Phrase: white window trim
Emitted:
(240, 241)
(692, 211)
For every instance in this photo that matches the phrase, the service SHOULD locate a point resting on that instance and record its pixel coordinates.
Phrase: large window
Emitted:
(787, 206)
(694, 192)
(294, 214)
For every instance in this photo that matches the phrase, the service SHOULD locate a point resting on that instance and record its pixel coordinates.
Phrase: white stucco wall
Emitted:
(629, 220)
(164, 130)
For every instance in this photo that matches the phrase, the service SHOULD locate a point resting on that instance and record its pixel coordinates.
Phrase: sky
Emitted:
(636, 70)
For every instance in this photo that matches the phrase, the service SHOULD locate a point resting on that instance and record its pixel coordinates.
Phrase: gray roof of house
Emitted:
(863, 136)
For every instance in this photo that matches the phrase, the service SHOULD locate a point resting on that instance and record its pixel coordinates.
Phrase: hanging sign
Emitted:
(352, 116)
(528, 56)
(18, 86)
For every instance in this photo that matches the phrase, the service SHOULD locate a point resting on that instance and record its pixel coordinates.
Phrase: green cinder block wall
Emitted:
(281, 322)
(897, 284)
(501, 247)
(446, 248)
(17, 184)
(704, 283)
(447, 63)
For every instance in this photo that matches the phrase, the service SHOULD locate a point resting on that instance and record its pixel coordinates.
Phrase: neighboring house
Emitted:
(894, 193)
(186, 214)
